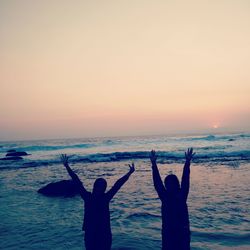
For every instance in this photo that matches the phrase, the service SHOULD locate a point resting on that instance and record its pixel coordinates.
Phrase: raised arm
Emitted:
(110, 194)
(186, 173)
(159, 187)
(83, 192)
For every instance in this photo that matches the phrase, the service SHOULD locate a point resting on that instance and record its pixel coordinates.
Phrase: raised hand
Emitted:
(131, 168)
(64, 159)
(153, 157)
(189, 154)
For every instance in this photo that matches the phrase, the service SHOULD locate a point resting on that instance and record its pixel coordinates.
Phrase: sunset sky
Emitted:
(107, 68)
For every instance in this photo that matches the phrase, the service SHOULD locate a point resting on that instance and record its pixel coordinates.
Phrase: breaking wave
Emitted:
(219, 157)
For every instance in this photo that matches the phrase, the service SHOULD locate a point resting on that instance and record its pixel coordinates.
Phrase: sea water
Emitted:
(219, 198)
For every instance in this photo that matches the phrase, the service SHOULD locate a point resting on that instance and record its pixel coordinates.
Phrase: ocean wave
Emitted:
(107, 143)
(219, 147)
(207, 138)
(45, 147)
(219, 137)
(236, 238)
(220, 157)
(142, 215)
(162, 155)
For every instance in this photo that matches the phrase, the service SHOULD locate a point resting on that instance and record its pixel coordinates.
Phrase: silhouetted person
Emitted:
(96, 222)
(174, 210)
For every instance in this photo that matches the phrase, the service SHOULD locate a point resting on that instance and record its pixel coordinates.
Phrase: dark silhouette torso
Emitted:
(175, 222)
(97, 222)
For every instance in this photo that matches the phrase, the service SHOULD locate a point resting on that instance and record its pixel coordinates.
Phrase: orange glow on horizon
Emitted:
(155, 67)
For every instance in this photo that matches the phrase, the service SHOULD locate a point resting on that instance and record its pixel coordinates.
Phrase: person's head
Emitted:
(100, 186)
(172, 184)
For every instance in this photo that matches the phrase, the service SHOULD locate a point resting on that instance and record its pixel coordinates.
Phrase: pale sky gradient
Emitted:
(105, 68)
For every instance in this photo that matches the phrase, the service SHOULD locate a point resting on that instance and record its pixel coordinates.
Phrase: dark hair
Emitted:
(100, 185)
(171, 181)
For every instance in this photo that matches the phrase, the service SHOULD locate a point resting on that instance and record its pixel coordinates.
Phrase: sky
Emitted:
(135, 67)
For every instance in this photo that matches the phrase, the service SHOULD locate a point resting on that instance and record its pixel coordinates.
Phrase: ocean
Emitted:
(219, 198)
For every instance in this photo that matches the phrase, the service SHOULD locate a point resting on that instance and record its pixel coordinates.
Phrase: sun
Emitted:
(215, 126)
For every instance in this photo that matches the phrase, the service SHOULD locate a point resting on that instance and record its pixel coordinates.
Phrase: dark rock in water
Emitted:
(11, 158)
(16, 153)
(66, 188)
(13, 155)
(231, 139)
